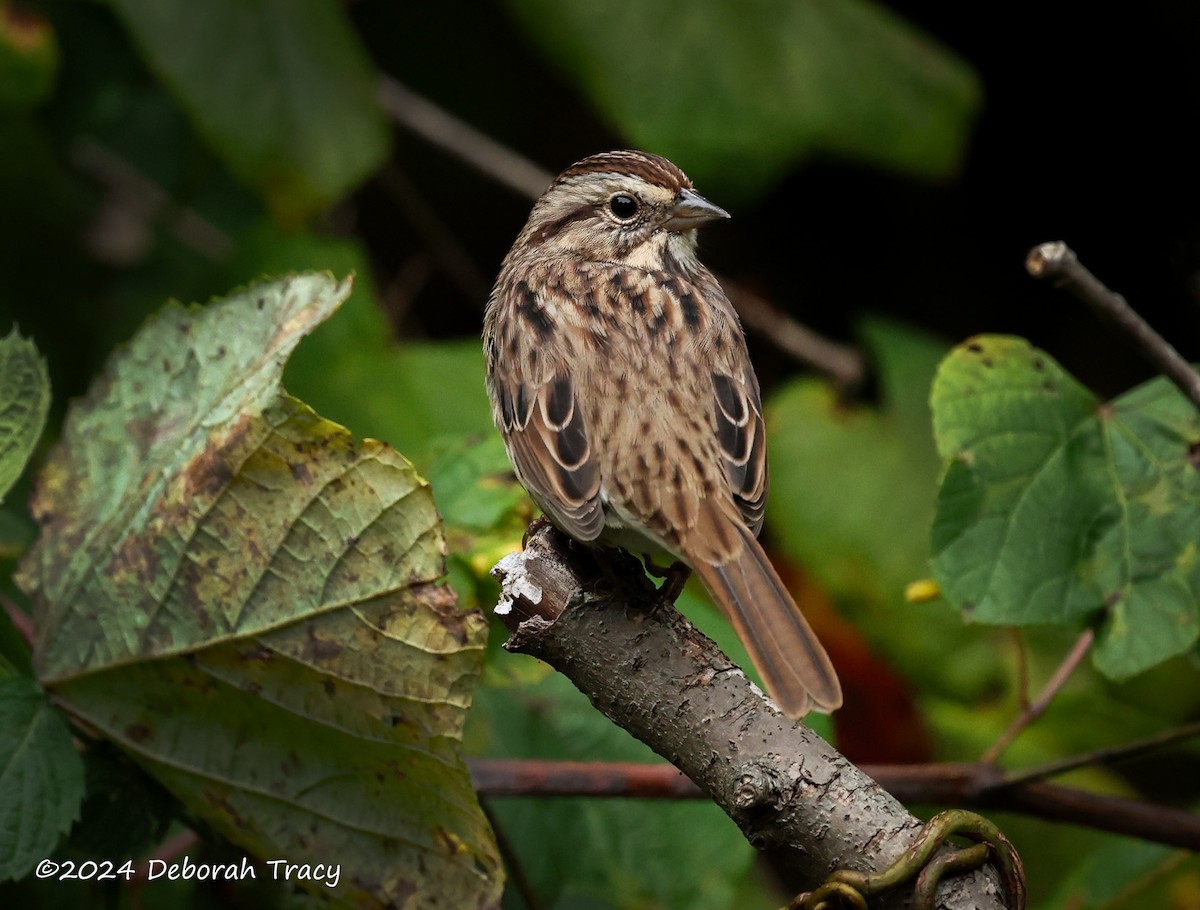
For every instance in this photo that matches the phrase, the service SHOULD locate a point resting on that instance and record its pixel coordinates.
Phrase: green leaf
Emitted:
(1055, 508)
(24, 402)
(242, 596)
(281, 89)
(414, 395)
(16, 533)
(333, 739)
(41, 777)
(444, 389)
(737, 93)
(420, 396)
(146, 456)
(473, 483)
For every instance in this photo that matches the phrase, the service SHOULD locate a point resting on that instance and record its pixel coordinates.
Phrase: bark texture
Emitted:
(596, 618)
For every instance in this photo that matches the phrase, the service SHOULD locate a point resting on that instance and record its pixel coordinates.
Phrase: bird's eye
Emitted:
(623, 206)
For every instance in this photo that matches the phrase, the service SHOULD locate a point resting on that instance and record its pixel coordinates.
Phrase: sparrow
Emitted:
(619, 378)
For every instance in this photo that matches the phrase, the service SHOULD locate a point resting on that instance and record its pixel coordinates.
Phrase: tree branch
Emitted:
(967, 786)
(984, 786)
(451, 256)
(136, 203)
(597, 619)
(1107, 755)
(503, 777)
(843, 364)
(441, 128)
(1058, 263)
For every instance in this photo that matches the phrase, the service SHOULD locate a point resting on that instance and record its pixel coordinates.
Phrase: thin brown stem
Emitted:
(1057, 262)
(1115, 814)
(1022, 668)
(168, 851)
(631, 780)
(1038, 706)
(1106, 756)
(841, 363)
(968, 786)
(986, 786)
(409, 280)
(20, 619)
(142, 201)
(512, 861)
(441, 128)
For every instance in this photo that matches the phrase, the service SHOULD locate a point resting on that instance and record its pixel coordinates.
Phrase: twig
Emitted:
(1058, 263)
(840, 362)
(969, 786)
(1106, 756)
(516, 869)
(1115, 814)
(596, 618)
(1038, 706)
(410, 278)
(529, 777)
(1022, 667)
(458, 137)
(986, 786)
(143, 201)
(20, 619)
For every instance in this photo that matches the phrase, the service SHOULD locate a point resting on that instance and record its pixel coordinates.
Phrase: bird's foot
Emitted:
(674, 577)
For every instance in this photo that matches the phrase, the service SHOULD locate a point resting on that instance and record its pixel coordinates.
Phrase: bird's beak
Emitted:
(691, 210)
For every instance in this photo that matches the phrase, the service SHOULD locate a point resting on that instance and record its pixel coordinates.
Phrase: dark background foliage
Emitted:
(1085, 133)
(1067, 124)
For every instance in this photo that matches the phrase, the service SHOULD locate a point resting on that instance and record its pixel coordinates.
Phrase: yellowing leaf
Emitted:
(244, 597)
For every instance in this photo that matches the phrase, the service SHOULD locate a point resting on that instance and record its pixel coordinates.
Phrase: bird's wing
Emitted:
(742, 436)
(548, 444)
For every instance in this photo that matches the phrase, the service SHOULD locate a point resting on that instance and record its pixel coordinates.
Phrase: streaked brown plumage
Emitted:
(619, 378)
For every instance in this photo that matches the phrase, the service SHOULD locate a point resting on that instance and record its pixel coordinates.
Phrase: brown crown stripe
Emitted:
(651, 168)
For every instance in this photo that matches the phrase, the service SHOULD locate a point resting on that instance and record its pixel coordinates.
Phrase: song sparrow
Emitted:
(619, 378)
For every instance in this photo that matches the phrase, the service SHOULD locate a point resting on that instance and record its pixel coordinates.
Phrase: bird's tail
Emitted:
(793, 664)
